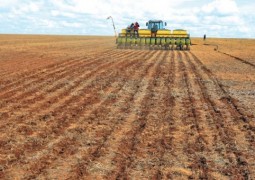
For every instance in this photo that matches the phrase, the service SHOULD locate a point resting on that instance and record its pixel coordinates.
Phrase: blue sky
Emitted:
(216, 18)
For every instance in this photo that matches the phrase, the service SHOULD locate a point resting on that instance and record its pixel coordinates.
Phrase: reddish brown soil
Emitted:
(78, 108)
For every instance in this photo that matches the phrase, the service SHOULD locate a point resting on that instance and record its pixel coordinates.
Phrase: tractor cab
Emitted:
(155, 25)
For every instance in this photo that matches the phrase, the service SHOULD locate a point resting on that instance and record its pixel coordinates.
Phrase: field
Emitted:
(74, 107)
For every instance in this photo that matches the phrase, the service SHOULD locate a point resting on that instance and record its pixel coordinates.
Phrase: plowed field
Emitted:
(78, 108)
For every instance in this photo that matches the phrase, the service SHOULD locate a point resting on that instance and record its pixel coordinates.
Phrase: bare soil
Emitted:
(75, 107)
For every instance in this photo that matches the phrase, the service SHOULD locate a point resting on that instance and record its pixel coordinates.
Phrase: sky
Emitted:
(215, 18)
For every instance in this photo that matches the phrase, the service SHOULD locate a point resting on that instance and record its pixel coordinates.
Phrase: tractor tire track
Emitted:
(238, 59)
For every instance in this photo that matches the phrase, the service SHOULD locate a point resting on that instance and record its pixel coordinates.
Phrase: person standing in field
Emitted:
(136, 28)
(204, 37)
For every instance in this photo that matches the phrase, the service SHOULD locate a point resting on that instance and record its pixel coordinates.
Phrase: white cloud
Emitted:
(64, 14)
(47, 23)
(214, 17)
(26, 8)
(9, 3)
(222, 7)
(71, 24)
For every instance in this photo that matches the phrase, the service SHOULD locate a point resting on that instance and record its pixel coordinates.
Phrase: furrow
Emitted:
(92, 119)
(20, 77)
(40, 71)
(145, 148)
(26, 88)
(59, 85)
(127, 134)
(43, 77)
(61, 96)
(168, 127)
(230, 101)
(229, 131)
(80, 110)
(100, 108)
(196, 145)
(59, 81)
(126, 106)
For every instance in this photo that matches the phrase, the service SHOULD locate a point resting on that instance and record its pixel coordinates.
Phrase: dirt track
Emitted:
(72, 109)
